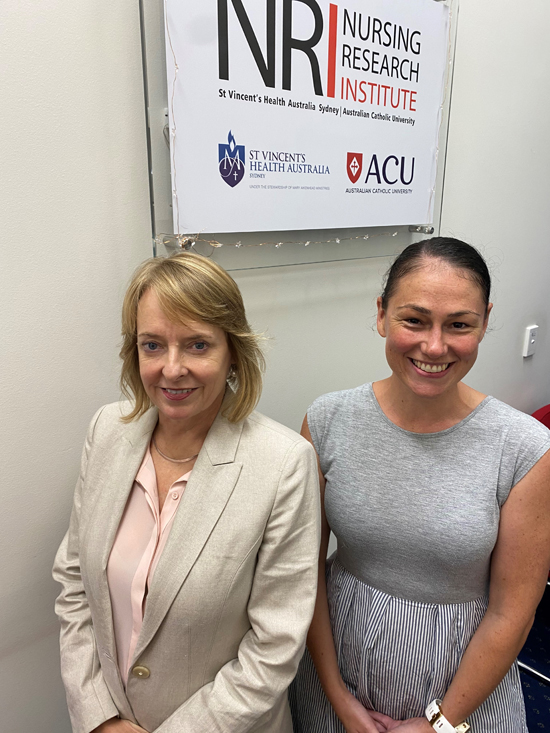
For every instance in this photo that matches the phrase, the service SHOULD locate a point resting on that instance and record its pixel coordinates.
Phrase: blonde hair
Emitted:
(188, 286)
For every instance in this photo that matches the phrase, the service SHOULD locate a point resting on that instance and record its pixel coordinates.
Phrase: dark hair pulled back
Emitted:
(453, 252)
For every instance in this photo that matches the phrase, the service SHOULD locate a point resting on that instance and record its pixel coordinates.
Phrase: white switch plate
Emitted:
(530, 340)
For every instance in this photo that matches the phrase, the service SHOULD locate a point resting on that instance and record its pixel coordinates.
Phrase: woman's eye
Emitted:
(413, 321)
(200, 346)
(459, 325)
(150, 346)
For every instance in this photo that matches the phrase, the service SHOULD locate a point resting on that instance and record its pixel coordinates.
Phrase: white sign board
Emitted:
(304, 114)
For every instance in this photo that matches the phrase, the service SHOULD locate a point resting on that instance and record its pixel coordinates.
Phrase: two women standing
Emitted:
(187, 596)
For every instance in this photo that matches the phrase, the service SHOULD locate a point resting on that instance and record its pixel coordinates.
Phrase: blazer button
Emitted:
(140, 671)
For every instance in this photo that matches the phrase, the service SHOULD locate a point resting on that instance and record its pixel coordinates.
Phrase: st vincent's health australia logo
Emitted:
(231, 161)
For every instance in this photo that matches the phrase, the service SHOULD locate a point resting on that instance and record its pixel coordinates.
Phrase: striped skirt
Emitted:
(396, 656)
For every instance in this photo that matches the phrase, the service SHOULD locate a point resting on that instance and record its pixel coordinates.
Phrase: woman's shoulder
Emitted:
(338, 413)
(343, 402)
(523, 440)
(262, 428)
(108, 421)
(267, 443)
(505, 416)
(114, 410)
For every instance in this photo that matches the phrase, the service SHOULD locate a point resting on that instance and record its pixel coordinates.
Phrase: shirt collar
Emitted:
(147, 477)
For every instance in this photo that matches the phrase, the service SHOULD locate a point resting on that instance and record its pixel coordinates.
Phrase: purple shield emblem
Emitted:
(231, 161)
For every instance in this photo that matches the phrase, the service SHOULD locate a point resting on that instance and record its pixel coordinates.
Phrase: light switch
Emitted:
(530, 341)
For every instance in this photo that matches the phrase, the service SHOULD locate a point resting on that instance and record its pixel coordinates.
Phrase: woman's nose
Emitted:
(174, 366)
(435, 346)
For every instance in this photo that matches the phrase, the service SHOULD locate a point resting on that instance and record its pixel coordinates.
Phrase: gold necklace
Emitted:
(174, 460)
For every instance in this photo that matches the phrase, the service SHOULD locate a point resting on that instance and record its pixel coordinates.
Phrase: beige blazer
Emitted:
(233, 593)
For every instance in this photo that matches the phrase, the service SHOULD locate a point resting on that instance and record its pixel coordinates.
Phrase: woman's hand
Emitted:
(413, 725)
(357, 719)
(116, 725)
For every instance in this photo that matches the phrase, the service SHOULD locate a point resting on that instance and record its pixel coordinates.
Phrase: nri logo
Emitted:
(231, 161)
(266, 63)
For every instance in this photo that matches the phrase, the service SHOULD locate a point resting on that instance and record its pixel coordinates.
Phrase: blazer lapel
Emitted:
(206, 495)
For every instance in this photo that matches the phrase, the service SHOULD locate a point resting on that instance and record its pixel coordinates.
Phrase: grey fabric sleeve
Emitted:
(527, 441)
(317, 423)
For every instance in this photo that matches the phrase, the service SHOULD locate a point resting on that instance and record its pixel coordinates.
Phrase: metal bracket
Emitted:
(166, 129)
(175, 242)
(422, 229)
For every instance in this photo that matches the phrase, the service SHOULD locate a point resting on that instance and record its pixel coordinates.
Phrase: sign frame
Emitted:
(259, 249)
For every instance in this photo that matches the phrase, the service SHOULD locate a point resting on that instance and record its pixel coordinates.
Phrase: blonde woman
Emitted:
(189, 569)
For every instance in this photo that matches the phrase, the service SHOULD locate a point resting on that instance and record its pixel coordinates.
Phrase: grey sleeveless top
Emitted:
(416, 515)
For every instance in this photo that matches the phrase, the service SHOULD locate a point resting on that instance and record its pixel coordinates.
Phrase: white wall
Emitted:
(497, 187)
(75, 221)
(321, 324)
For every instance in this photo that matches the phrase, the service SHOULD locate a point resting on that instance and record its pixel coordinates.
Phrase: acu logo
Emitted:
(396, 172)
(266, 65)
(391, 170)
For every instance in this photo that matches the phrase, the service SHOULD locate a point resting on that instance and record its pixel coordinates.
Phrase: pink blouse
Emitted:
(138, 545)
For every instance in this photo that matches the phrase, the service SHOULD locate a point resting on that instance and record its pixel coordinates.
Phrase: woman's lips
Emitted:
(177, 395)
(431, 370)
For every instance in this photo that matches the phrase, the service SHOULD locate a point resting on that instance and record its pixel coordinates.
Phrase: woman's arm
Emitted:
(519, 571)
(88, 698)
(320, 643)
(244, 692)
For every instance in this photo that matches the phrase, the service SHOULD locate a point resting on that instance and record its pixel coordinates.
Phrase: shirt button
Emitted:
(140, 671)
(175, 495)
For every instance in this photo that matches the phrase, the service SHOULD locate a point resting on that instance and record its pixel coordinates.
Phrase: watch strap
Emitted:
(440, 723)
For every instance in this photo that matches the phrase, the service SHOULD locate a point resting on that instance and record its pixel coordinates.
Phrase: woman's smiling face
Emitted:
(433, 324)
(183, 367)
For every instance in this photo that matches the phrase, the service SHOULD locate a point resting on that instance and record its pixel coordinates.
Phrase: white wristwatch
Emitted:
(440, 723)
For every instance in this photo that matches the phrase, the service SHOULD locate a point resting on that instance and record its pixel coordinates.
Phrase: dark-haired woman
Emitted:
(439, 497)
